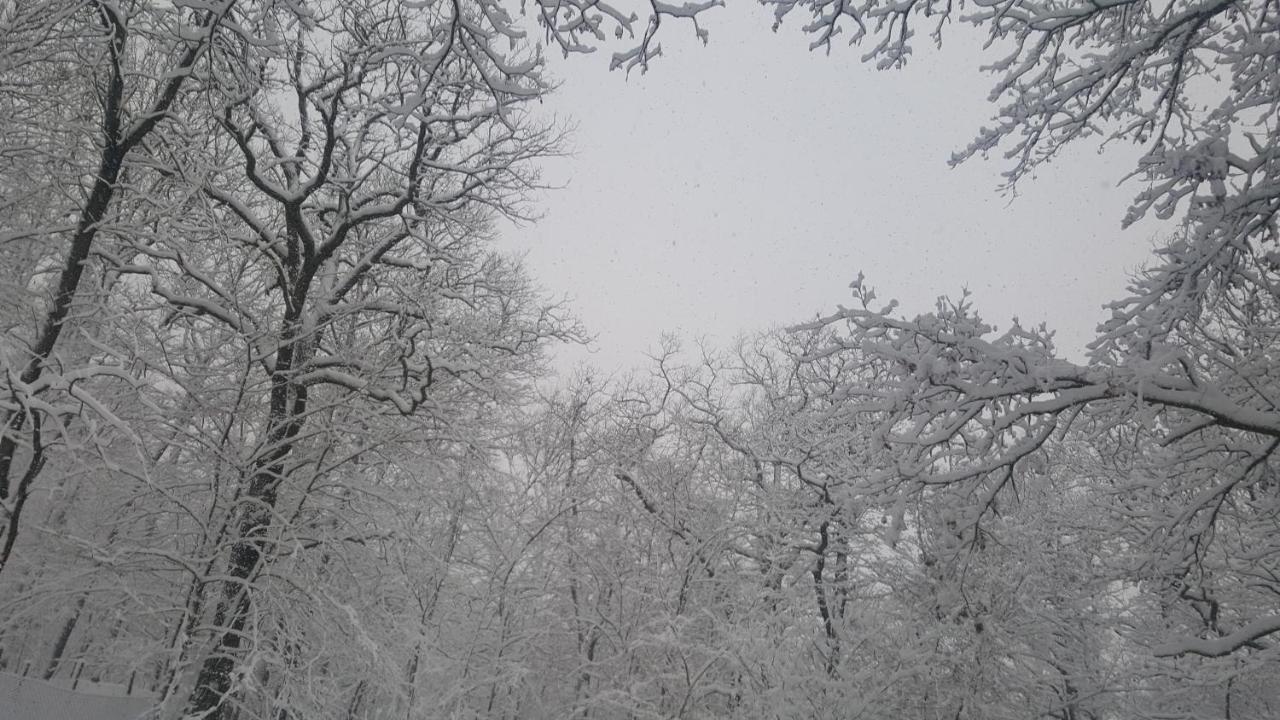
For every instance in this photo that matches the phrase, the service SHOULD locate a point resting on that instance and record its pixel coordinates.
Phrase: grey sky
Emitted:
(742, 185)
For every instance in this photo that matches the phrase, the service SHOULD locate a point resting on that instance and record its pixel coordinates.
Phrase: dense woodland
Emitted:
(279, 440)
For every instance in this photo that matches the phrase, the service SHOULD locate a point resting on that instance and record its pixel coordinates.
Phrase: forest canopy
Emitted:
(278, 437)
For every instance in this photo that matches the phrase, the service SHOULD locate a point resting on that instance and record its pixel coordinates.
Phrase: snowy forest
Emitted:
(280, 440)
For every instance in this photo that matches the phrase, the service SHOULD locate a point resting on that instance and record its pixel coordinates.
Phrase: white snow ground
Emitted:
(25, 698)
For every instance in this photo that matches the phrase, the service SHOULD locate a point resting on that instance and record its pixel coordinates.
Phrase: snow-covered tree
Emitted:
(962, 413)
(81, 97)
(289, 331)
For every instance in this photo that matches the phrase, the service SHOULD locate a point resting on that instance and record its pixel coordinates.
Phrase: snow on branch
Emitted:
(1220, 646)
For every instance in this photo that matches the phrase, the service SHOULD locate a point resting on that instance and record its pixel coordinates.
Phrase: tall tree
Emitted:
(365, 144)
(290, 278)
(103, 56)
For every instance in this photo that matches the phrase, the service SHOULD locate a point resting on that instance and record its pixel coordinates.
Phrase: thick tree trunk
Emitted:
(248, 554)
(252, 549)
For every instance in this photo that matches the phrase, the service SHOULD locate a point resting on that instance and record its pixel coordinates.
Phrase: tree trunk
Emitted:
(252, 550)
(60, 645)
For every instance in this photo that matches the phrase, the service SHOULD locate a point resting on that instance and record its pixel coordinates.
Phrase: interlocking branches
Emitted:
(955, 405)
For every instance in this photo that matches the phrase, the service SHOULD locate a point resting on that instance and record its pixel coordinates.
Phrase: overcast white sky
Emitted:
(742, 185)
